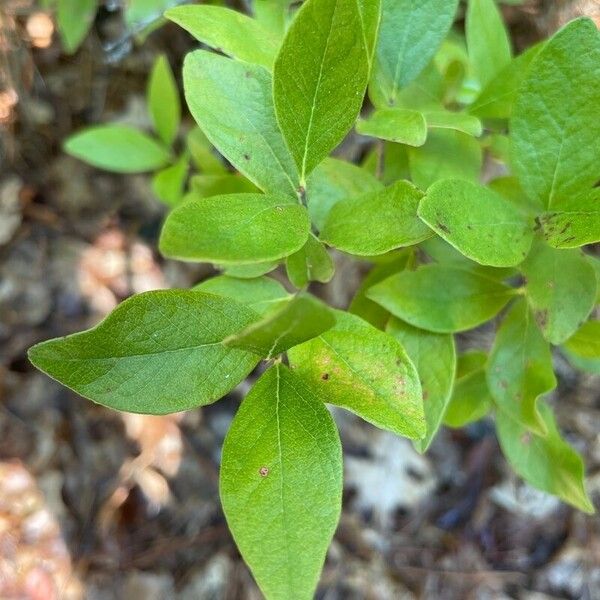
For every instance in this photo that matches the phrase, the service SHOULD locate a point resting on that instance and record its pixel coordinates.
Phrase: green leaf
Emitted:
(334, 180)
(395, 125)
(311, 263)
(561, 290)
(471, 399)
(370, 14)
(156, 353)
(497, 98)
(232, 102)
(547, 463)
(74, 19)
(410, 34)
(574, 222)
(259, 294)
(587, 365)
(585, 342)
(204, 186)
(441, 298)
(478, 222)
(555, 130)
(320, 76)
(362, 369)
(249, 271)
(445, 119)
(364, 307)
(487, 39)
(203, 153)
(236, 228)
(434, 356)
(168, 184)
(117, 148)
(519, 369)
(272, 14)
(229, 32)
(289, 323)
(377, 222)
(447, 154)
(163, 101)
(281, 484)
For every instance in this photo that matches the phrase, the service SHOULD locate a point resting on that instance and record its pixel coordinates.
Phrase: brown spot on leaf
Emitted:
(443, 227)
(541, 317)
(325, 376)
(247, 156)
(263, 471)
(526, 438)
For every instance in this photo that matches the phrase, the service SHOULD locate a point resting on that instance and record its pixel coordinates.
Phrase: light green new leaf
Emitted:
(272, 14)
(434, 356)
(74, 19)
(561, 290)
(370, 14)
(335, 180)
(233, 104)
(319, 79)
(168, 184)
(156, 353)
(487, 39)
(442, 298)
(519, 369)
(497, 98)
(587, 365)
(259, 294)
(586, 341)
(203, 153)
(574, 222)
(117, 148)
(447, 154)
(547, 463)
(281, 484)
(410, 34)
(555, 130)
(377, 222)
(289, 323)
(235, 229)
(228, 31)
(471, 399)
(204, 186)
(311, 263)
(366, 371)
(399, 125)
(163, 101)
(478, 222)
(249, 271)
(445, 119)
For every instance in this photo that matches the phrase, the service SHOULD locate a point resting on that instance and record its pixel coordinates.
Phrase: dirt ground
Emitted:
(100, 505)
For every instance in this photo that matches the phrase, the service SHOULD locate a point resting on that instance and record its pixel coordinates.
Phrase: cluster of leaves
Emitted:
(449, 253)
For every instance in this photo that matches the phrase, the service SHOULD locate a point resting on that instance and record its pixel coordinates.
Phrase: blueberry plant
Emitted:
(253, 189)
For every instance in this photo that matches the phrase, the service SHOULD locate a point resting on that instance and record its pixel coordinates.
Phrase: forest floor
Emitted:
(102, 505)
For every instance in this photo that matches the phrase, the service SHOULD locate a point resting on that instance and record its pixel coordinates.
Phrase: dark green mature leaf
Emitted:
(158, 352)
(555, 130)
(235, 229)
(228, 31)
(442, 298)
(259, 294)
(364, 370)
(574, 222)
(319, 79)
(377, 222)
(585, 342)
(410, 34)
(163, 101)
(289, 323)
(547, 463)
(74, 19)
(478, 222)
(471, 399)
(168, 183)
(497, 98)
(561, 289)
(487, 39)
(434, 356)
(311, 263)
(399, 125)
(335, 180)
(519, 369)
(232, 102)
(445, 119)
(447, 154)
(281, 484)
(117, 148)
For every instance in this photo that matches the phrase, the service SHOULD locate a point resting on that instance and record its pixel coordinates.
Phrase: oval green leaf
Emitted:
(163, 100)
